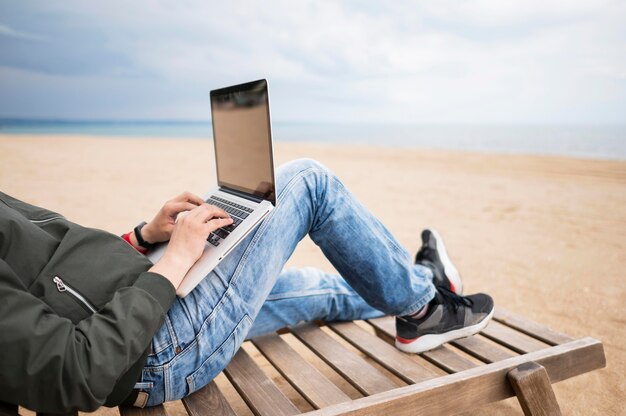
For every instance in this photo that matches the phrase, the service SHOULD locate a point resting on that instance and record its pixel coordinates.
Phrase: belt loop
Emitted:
(142, 399)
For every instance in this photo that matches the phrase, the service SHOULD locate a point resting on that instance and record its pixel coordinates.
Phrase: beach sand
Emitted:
(545, 236)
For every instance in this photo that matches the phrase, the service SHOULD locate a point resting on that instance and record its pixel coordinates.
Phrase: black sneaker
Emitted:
(449, 317)
(433, 255)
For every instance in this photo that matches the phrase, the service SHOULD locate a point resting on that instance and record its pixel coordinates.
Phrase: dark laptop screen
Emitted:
(242, 137)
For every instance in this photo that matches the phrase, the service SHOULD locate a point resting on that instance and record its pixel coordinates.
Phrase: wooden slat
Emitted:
(442, 357)
(257, 390)
(511, 338)
(209, 400)
(541, 332)
(467, 390)
(383, 353)
(449, 360)
(533, 390)
(146, 411)
(386, 325)
(355, 369)
(306, 379)
(482, 349)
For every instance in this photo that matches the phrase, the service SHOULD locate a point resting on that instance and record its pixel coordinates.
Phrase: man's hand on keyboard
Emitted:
(188, 241)
(161, 226)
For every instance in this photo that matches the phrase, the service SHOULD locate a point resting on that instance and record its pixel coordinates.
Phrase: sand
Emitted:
(545, 236)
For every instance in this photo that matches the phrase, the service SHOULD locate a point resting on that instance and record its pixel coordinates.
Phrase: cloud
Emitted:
(476, 61)
(7, 31)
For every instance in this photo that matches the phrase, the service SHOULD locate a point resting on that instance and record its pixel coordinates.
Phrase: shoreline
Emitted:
(505, 142)
(538, 233)
(313, 143)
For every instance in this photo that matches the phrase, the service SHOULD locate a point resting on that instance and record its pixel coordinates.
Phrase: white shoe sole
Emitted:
(428, 342)
(448, 267)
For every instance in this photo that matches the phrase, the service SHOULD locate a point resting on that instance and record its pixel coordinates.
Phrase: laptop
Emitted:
(245, 173)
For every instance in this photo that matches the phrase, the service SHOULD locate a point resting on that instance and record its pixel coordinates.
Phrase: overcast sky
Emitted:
(388, 61)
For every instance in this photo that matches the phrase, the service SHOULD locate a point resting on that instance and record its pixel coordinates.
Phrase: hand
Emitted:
(160, 227)
(188, 240)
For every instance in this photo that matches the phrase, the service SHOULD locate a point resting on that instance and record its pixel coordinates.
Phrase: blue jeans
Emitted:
(249, 293)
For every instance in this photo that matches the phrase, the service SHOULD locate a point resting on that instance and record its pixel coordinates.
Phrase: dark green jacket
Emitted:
(59, 352)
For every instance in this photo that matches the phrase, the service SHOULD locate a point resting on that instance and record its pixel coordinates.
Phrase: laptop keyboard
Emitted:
(237, 212)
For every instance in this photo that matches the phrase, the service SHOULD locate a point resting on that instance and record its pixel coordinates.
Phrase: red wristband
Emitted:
(126, 238)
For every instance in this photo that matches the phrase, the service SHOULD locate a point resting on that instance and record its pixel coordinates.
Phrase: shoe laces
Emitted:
(424, 252)
(453, 299)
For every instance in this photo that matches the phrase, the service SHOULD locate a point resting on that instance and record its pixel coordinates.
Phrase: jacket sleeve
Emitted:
(49, 364)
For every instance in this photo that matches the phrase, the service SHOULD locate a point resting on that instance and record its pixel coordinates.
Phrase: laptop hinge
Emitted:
(241, 194)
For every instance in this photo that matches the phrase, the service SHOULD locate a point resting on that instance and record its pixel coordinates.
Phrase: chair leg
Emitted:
(533, 389)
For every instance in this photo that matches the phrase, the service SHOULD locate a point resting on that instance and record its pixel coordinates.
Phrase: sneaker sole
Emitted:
(451, 272)
(428, 342)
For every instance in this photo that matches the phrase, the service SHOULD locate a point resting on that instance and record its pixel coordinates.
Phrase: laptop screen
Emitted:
(242, 137)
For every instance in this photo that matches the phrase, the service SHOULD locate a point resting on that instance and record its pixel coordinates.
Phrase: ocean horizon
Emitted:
(598, 141)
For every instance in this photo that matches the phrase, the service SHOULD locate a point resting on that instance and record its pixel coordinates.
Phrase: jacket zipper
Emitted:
(63, 287)
(46, 220)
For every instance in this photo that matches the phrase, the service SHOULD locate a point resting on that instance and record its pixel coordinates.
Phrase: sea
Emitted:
(602, 141)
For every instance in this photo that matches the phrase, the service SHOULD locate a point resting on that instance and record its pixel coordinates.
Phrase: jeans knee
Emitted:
(313, 171)
(306, 163)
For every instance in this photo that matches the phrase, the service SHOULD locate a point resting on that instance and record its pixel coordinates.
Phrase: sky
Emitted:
(443, 61)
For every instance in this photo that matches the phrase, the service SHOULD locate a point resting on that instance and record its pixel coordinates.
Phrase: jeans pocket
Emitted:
(219, 359)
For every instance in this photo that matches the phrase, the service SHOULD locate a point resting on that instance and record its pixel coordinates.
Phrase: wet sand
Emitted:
(545, 236)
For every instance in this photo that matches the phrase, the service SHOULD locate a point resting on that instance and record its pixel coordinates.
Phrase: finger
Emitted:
(205, 212)
(195, 199)
(212, 211)
(201, 211)
(219, 212)
(189, 197)
(216, 223)
(192, 215)
(178, 207)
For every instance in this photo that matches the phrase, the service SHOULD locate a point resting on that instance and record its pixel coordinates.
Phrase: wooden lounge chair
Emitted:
(512, 356)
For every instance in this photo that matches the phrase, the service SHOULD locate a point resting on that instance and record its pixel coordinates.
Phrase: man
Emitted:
(86, 320)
